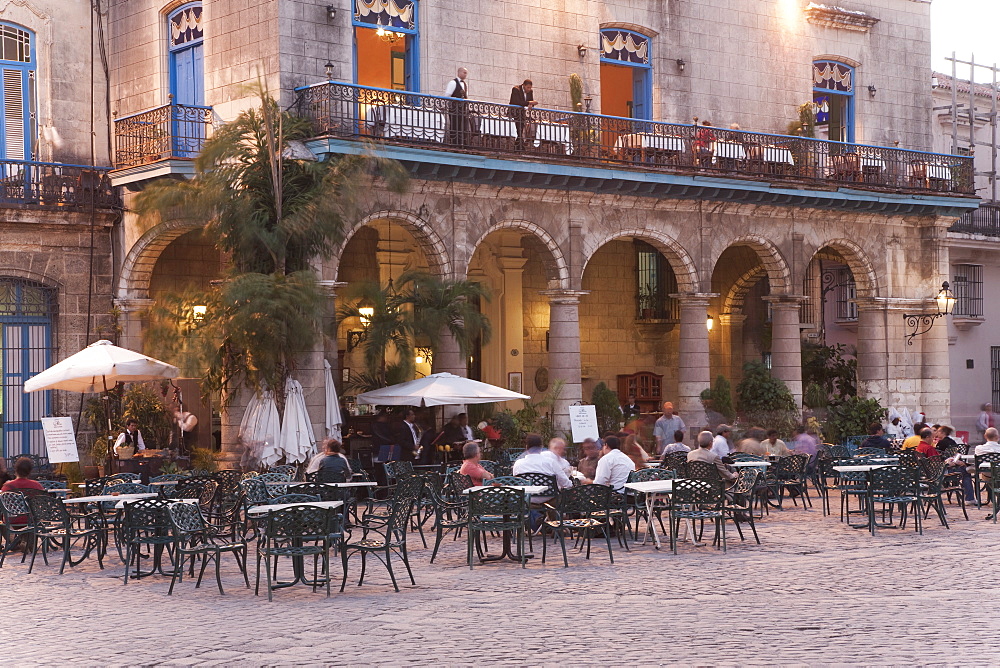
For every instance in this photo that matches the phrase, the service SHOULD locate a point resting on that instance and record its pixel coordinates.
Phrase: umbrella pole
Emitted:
(107, 413)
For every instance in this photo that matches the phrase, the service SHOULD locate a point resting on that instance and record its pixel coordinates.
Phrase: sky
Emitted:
(966, 27)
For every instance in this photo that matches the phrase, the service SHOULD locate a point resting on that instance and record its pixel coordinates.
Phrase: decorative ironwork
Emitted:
(399, 117)
(921, 323)
(168, 132)
(51, 184)
(985, 220)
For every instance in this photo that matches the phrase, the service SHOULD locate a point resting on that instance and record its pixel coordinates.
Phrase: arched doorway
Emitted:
(744, 333)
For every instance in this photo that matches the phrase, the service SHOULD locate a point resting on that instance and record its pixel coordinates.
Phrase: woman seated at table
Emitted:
(334, 463)
(22, 469)
(471, 466)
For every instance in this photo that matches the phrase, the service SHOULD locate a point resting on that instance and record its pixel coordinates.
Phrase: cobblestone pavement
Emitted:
(815, 592)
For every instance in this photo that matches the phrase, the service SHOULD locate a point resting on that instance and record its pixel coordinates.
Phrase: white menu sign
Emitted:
(583, 421)
(60, 441)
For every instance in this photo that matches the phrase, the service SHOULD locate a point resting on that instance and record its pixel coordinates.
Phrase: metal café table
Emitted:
(508, 549)
(654, 491)
(298, 563)
(867, 470)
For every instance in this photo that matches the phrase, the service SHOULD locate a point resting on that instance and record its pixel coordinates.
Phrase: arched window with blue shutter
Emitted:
(833, 94)
(17, 59)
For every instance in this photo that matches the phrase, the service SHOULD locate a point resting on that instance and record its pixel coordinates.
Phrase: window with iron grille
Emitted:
(847, 290)
(655, 281)
(807, 309)
(995, 373)
(967, 286)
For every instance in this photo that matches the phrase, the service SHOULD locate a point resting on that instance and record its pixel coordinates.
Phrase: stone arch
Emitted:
(680, 261)
(645, 30)
(430, 241)
(137, 269)
(838, 58)
(859, 263)
(737, 294)
(559, 270)
(778, 272)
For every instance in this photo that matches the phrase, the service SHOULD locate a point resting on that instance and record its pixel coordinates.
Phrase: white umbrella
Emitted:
(297, 440)
(259, 431)
(98, 367)
(333, 417)
(438, 389)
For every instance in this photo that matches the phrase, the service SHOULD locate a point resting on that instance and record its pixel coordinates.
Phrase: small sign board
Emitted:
(583, 421)
(60, 441)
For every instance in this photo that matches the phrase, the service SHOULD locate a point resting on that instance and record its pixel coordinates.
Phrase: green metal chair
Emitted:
(54, 525)
(697, 500)
(495, 509)
(146, 526)
(580, 510)
(194, 537)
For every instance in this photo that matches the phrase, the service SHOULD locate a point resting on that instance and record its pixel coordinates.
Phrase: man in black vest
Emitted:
(521, 96)
(458, 115)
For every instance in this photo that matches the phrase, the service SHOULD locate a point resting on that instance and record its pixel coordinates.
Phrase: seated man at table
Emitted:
(614, 466)
(926, 444)
(704, 453)
(334, 464)
(22, 469)
(471, 466)
(536, 461)
(591, 452)
(877, 438)
(678, 444)
(557, 451)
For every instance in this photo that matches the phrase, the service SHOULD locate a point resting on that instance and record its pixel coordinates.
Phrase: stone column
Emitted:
(564, 350)
(731, 326)
(448, 356)
(694, 372)
(873, 356)
(132, 322)
(935, 377)
(786, 344)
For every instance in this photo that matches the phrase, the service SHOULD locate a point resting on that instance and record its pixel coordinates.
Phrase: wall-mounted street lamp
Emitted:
(356, 336)
(331, 12)
(424, 355)
(709, 322)
(329, 67)
(680, 64)
(921, 323)
(582, 50)
(872, 90)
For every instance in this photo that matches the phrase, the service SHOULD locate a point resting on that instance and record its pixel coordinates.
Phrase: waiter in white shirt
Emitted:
(131, 437)
(458, 115)
(463, 422)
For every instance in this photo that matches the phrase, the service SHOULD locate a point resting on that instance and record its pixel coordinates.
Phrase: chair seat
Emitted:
(697, 514)
(893, 499)
(370, 544)
(293, 551)
(583, 523)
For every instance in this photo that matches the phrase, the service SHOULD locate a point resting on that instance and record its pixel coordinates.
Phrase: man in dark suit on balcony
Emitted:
(521, 96)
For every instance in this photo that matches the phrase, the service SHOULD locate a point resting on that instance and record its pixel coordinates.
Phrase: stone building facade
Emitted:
(57, 207)
(601, 264)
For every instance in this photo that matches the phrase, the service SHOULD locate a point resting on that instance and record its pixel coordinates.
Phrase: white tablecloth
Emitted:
(657, 142)
(728, 150)
(409, 122)
(553, 132)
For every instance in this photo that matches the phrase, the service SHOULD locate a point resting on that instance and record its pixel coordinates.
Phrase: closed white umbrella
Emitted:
(297, 440)
(259, 431)
(438, 389)
(333, 417)
(98, 367)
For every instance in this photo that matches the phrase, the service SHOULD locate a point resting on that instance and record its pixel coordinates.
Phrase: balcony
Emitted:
(160, 141)
(985, 220)
(344, 111)
(55, 185)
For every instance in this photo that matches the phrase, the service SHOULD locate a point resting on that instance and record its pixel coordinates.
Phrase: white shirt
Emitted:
(987, 447)
(613, 470)
(467, 432)
(720, 446)
(542, 462)
(140, 444)
(314, 462)
(450, 88)
(563, 464)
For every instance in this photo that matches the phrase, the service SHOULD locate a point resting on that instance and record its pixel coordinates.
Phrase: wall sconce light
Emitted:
(709, 322)
(424, 355)
(331, 12)
(198, 313)
(366, 313)
(587, 100)
(680, 64)
(329, 67)
(354, 338)
(921, 323)
(582, 50)
(872, 90)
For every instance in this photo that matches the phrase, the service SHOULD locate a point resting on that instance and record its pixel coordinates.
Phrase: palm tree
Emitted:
(389, 326)
(446, 313)
(271, 216)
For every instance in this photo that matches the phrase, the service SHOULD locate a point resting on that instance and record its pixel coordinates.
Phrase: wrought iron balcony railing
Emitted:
(984, 220)
(55, 184)
(170, 131)
(400, 117)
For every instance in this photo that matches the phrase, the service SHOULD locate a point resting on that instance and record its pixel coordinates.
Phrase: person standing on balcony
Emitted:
(459, 127)
(522, 97)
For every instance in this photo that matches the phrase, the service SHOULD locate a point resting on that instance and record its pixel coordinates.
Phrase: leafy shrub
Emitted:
(851, 417)
(764, 400)
(608, 411)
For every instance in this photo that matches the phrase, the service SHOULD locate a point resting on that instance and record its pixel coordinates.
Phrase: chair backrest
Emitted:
(932, 470)
(497, 501)
(488, 465)
(46, 510)
(249, 474)
(745, 457)
(839, 452)
(328, 475)
(994, 461)
(147, 515)
(294, 498)
(323, 492)
(644, 475)
(705, 471)
(127, 477)
(585, 499)
(95, 486)
(746, 480)
(460, 481)
(895, 481)
(209, 492)
(185, 519)
(228, 479)
(275, 476)
(394, 471)
(870, 451)
(127, 488)
(792, 465)
(298, 522)
(190, 488)
(287, 469)
(503, 469)
(254, 491)
(405, 495)
(52, 484)
(701, 492)
(507, 480)
(13, 504)
(676, 461)
(168, 477)
(542, 479)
